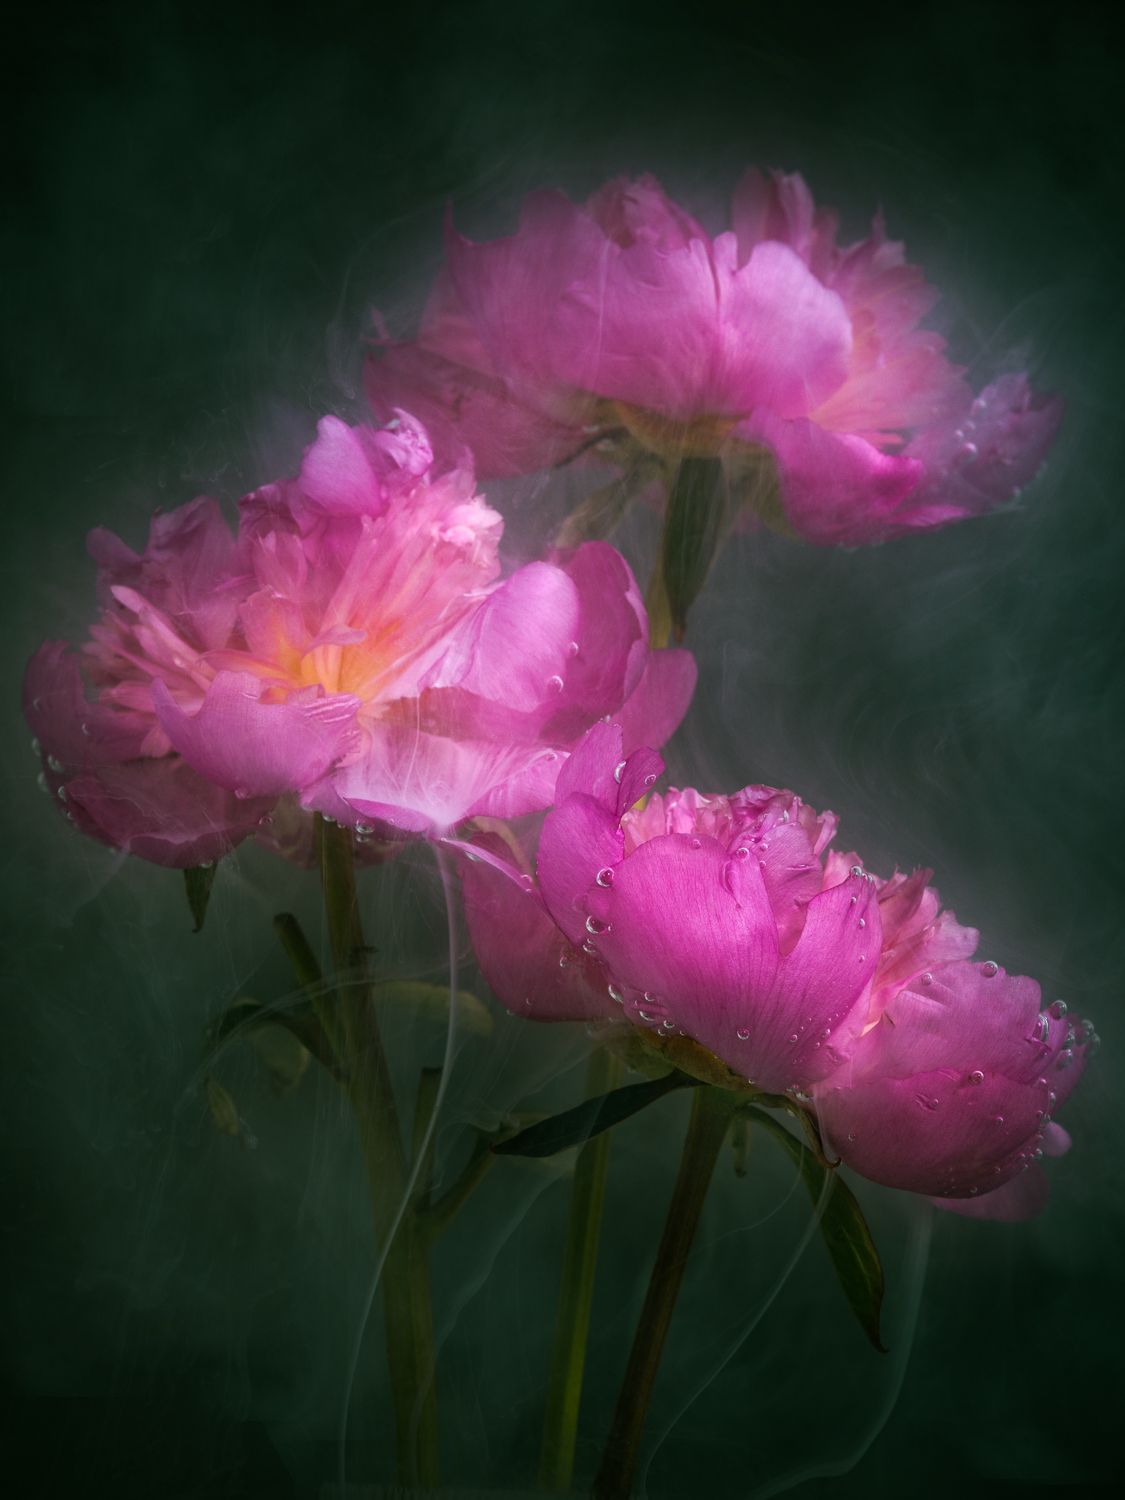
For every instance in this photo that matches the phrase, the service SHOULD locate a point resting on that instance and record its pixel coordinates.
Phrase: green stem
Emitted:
(405, 1282)
(710, 1117)
(576, 1292)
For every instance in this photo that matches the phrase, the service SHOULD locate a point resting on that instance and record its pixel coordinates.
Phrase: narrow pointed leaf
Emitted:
(695, 524)
(575, 1126)
(247, 1017)
(843, 1227)
(197, 885)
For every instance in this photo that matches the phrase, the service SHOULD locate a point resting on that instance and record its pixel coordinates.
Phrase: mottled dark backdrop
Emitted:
(205, 203)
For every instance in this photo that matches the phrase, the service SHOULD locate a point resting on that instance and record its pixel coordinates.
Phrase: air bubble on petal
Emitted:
(555, 683)
(976, 1076)
(851, 1135)
(54, 764)
(615, 994)
(1066, 1057)
(618, 770)
(742, 1034)
(564, 961)
(650, 779)
(572, 648)
(595, 925)
(62, 794)
(792, 1038)
(1043, 1029)
(862, 923)
(741, 852)
(856, 870)
(1058, 1009)
(697, 843)
(41, 782)
(989, 969)
(604, 878)
(589, 947)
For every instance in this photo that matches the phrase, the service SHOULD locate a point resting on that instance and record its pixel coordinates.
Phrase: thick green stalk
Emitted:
(405, 1280)
(710, 1118)
(576, 1291)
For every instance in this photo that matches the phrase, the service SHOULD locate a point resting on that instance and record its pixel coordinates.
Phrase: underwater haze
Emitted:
(208, 204)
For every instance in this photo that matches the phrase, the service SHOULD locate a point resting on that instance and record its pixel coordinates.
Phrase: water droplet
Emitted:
(572, 649)
(1066, 1057)
(645, 1015)
(976, 1076)
(792, 1038)
(741, 853)
(1043, 1029)
(554, 683)
(1058, 1009)
(650, 997)
(650, 779)
(668, 1024)
(617, 771)
(595, 925)
(615, 994)
(604, 876)
(857, 869)
(742, 1034)
(862, 923)
(989, 969)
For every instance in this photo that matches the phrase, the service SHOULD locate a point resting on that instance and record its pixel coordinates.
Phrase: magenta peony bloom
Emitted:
(729, 919)
(105, 756)
(623, 323)
(385, 673)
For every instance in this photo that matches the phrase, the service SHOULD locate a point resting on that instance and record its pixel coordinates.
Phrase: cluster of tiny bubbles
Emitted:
(618, 770)
(604, 877)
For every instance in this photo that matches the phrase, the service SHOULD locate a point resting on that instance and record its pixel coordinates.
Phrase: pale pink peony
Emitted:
(105, 756)
(729, 919)
(385, 673)
(622, 323)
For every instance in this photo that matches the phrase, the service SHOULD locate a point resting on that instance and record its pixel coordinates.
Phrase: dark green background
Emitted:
(204, 205)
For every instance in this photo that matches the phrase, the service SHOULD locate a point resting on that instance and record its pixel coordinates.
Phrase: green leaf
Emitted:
(221, 1107)
(846, 1235)
(432, 1000)
(247, 1018)
(575, 1126)
(695, 525)
(197, 884)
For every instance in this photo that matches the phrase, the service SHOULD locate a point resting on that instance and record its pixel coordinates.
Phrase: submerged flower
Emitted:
(384, 672)
(798, 363)
(106, 758)
(729, 920)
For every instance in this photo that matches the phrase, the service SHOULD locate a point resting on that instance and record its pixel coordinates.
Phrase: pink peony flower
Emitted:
(730, 920)
(384, 672)
(105, 756)
(623, 323)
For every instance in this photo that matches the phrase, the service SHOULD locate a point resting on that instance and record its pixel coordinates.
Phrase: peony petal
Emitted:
(656, 707)
(581, 836)
(1021, 1198)
(527, 961)
(257, 748)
